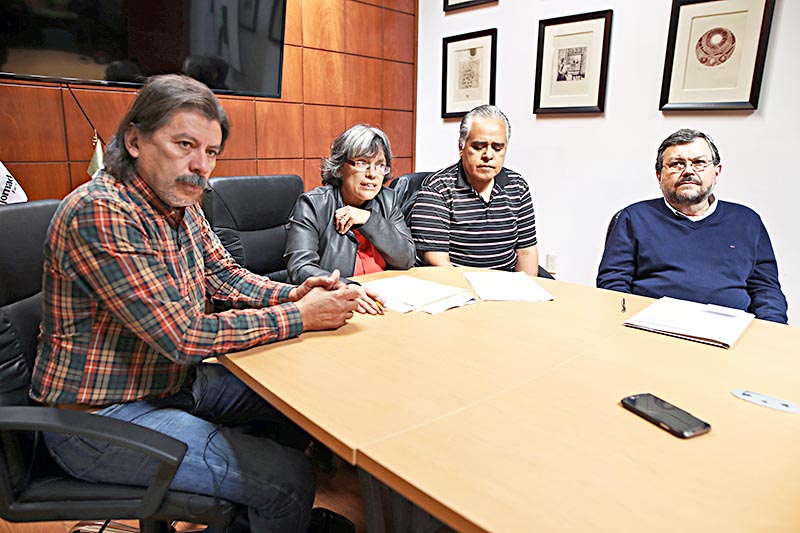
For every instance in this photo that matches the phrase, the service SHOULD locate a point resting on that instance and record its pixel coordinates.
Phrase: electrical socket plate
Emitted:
(766, 401)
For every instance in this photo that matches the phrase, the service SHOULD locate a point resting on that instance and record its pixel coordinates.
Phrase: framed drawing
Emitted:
(469, 63)
(715, 54)
(452, 5)
(572, 63)
(248, 9)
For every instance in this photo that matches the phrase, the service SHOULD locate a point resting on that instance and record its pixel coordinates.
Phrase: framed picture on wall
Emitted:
(715, 54)
(248, 9)
(469, 63)
(572, 63)
(452, 5)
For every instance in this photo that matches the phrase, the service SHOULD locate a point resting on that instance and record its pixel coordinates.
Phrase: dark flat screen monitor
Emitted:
(234, 46)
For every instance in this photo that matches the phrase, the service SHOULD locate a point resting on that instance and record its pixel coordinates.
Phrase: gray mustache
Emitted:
(689, 180)
(194, 179)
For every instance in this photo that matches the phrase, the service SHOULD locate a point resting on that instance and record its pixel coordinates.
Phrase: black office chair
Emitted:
(612, 223)
(405, 191)
(543, 273)
(33, 488)
(249, 214)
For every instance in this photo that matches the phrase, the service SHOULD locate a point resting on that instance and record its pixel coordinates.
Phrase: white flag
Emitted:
(10, 191)
(97, 158)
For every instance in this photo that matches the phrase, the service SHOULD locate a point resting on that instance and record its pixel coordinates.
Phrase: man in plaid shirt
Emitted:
(129, 263)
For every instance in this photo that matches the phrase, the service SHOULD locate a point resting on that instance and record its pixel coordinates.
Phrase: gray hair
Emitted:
(484, 111)
(358, 142)
(153, 107)
(686, 136)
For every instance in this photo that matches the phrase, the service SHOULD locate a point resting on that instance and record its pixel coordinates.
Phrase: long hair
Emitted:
(160, 97)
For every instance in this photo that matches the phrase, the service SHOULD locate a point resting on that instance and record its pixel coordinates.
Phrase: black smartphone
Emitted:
(664, 414)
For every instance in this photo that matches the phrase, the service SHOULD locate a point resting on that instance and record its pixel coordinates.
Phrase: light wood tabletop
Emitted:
(505, 416)
(379, 375)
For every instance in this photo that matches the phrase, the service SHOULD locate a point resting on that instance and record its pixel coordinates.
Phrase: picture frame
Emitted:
(248, 11)
(452, 5)
(715, 54)
(469, 66)
(572, 63)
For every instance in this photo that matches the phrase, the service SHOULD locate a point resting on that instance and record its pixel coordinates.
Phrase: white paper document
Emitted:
(451, 302)
(507, 286)
(405, 293)
(706, 323)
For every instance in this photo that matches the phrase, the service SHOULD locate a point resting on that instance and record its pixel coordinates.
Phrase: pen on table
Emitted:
(380, 305)
(623, 305)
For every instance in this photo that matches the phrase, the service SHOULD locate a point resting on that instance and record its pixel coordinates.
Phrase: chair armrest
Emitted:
(166, 450)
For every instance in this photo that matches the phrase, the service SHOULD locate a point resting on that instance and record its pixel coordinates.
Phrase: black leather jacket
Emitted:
(315, 248)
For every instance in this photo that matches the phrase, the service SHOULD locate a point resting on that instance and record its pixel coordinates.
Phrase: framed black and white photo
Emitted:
(469, 62)
(248, 10)
(572, 63)
(452, 5)
(715, 54)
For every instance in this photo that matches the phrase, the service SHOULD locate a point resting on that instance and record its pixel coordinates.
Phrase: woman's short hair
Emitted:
(154, 106)
(358, 142)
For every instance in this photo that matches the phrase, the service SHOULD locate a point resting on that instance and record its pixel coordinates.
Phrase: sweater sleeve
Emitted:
(619, 257)
(766, 298)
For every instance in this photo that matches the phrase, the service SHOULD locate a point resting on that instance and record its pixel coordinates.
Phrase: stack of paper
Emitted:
(507, 286)
(706, 323)
(406, 293)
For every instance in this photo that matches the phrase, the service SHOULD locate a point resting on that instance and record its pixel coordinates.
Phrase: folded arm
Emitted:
(619, 259)
(302, 244)
(430, 227)
(391, 237)
(527, 260)
(766, 298)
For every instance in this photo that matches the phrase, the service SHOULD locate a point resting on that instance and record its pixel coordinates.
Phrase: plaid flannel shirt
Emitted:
(125, 283)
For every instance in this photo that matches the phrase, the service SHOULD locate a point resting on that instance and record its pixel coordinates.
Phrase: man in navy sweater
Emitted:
(688, 244)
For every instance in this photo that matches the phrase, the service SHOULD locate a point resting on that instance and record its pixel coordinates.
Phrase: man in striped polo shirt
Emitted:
(477, 213)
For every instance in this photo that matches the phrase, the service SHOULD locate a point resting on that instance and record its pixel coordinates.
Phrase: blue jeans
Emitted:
(241, 449)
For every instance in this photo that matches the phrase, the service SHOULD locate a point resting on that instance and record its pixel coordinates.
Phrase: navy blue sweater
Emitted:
(724, 259)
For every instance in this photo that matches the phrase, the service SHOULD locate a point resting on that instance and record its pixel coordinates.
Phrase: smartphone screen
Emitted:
(664, 414)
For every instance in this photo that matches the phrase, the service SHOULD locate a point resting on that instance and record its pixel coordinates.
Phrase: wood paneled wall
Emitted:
(345, 61)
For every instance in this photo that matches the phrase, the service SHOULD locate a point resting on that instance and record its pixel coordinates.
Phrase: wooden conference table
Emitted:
(505, 416)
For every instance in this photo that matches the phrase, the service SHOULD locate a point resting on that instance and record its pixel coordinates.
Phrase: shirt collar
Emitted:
(173, 214)
(696, 218)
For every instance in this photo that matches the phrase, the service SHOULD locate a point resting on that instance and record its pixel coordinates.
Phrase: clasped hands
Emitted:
(325, 302)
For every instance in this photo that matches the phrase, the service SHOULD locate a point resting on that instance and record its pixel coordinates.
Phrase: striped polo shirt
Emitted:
(450, 216)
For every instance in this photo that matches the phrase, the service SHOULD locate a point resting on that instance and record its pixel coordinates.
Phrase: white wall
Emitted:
(584, 168)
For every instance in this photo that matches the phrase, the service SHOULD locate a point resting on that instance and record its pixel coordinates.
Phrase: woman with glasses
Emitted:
(351, 223)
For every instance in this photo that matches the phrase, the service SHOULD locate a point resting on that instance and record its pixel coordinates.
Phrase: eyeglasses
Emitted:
(363, 166)
(698, 165)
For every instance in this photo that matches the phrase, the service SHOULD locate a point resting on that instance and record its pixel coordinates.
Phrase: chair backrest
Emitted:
(543, 273)
(405, 191)
(612, 223)
(23, 229)
(249, 214)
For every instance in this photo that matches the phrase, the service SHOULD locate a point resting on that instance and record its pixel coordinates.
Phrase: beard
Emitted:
(690, 196)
